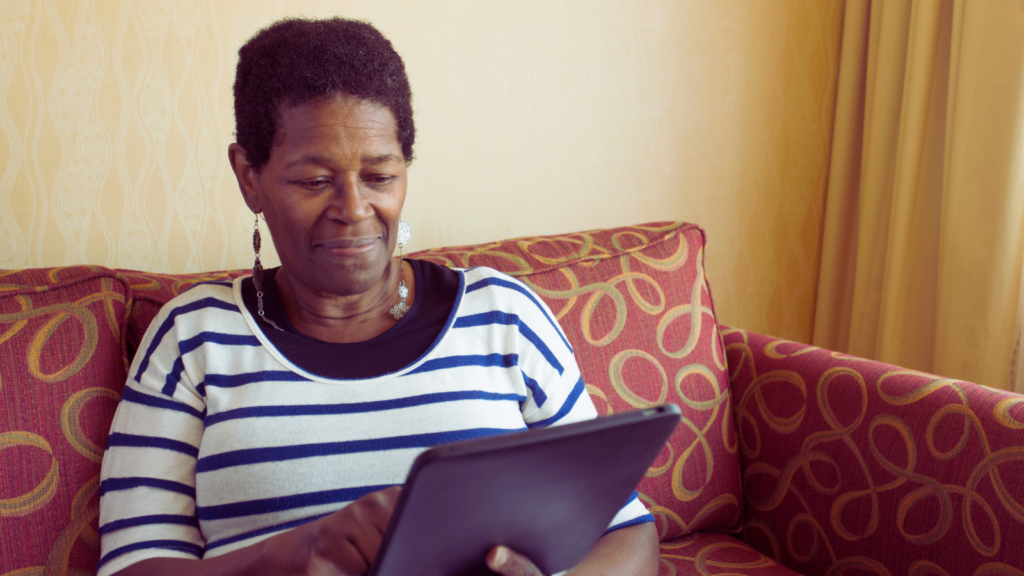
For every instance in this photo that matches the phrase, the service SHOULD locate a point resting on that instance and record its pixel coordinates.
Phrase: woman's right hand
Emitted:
(341, 544)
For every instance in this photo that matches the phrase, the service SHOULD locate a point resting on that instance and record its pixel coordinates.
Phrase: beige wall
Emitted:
(534, 117)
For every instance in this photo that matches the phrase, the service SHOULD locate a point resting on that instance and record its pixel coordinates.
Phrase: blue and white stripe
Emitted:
(220, 441)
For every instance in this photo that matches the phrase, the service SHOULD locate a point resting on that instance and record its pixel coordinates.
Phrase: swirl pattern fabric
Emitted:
(859, 467)
(715, 554)
(62, 368)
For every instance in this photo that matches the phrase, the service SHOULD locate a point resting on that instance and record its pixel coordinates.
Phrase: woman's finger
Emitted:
(350, 537)
(508, 563)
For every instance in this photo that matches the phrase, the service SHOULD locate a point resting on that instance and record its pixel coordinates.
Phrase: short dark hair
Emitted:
(295, 61)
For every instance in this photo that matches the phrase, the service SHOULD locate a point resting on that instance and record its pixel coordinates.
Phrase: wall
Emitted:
(533, 117)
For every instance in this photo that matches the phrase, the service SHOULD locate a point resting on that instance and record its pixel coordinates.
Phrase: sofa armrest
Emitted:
(850, 463)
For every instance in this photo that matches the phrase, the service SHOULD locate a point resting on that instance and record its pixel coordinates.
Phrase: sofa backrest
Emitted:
(62, 369)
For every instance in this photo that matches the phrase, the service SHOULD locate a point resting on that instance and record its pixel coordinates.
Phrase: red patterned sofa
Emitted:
(790, 459)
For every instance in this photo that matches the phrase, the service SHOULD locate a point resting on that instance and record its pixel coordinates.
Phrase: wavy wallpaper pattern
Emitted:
(534, 117)
(116, 136)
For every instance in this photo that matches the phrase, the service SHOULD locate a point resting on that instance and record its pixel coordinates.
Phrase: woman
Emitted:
(267, 423)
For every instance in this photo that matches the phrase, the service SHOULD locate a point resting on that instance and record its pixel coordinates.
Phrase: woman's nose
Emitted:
(349, 203)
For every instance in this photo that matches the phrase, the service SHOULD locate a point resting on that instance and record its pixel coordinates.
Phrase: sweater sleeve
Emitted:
(147, 487)
(557, 394)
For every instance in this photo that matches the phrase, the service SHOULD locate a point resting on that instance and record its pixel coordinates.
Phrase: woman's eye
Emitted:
(379, 178)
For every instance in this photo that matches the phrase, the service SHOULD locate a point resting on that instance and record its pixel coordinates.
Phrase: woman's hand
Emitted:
(508, 563)
(341, 544)
(632, 550)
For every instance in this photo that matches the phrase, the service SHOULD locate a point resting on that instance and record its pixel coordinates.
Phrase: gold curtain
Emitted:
(924, 222)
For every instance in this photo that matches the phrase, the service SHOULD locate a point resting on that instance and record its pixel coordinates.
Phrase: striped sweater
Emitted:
(219, 441)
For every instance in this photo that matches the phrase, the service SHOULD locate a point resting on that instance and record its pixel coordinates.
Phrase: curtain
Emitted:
(923, 233)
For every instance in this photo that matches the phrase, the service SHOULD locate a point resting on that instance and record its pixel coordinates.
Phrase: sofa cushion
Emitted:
(62, 368)
(637, 309)
(711, 553)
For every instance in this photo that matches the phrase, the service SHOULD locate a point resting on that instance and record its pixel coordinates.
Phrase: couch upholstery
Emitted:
(790, 459)
(859, 467)
(62, 368)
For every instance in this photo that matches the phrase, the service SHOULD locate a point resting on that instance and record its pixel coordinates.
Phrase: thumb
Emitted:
(504, 561)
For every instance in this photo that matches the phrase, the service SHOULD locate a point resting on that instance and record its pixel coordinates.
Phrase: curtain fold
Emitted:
(924, 221)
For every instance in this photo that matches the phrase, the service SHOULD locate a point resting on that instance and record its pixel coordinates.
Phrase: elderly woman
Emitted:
(267, 423)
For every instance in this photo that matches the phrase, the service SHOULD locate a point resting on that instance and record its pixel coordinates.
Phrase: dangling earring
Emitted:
(404, 235)
(257, 273)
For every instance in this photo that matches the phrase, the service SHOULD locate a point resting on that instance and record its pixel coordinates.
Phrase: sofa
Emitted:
(789, 458)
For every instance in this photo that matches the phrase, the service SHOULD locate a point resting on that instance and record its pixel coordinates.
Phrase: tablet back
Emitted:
(548, 494)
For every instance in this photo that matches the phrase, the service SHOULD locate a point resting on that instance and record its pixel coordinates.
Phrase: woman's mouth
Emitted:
(350, 246)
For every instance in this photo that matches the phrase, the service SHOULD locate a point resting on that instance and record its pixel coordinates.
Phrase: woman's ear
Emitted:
(246, 176)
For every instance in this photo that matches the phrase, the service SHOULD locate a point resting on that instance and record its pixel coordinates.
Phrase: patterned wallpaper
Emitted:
(534, 117)
(116, 117)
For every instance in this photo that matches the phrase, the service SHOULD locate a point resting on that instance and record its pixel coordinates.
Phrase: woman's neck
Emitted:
(344, 319)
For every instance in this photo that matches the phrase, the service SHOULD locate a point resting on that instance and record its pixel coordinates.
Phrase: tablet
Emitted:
(549, 494)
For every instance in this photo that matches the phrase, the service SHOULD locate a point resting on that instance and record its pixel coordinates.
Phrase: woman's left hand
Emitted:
(508, 563)
(631, 550)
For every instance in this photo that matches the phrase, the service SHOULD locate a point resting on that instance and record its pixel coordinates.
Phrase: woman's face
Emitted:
(332, 192)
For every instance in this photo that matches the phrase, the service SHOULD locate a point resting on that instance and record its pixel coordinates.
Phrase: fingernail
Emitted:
(501, 556)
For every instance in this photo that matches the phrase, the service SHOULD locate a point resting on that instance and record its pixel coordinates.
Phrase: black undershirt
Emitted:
(399, 346)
